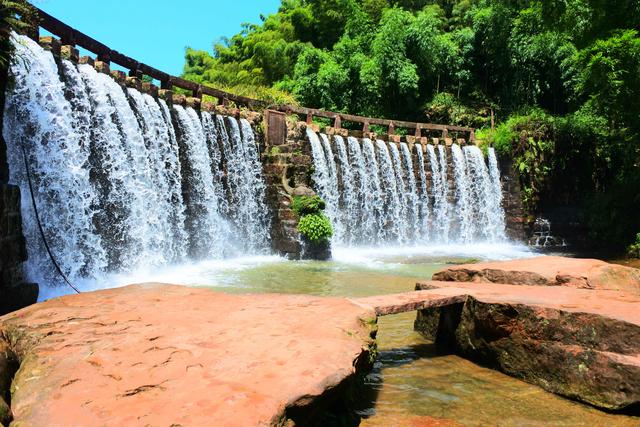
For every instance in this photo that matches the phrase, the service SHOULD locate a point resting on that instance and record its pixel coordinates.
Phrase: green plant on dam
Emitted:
(314, 225)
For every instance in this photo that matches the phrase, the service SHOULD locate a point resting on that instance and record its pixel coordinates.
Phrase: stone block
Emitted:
(133, 82)
(193, 102)
(394, 138)
(86, 60)
(167, 95)
(150, 88)
(70, 53)
(102, 67)
(119, 76)
(51, 44)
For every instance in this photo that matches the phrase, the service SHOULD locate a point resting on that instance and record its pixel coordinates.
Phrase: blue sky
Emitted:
(156, 32)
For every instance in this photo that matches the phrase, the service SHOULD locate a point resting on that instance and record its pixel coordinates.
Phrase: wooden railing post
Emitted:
(392, 129)
(309, 118)
(337, 123)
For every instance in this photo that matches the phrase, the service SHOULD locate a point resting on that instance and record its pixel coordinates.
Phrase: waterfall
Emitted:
(393, 225)
(424, 211)
(404, 203)
(205, 225)
(439, 191)
(252, 210)
(159, 150)
(325, 179)
(333, 197)
(374, 200)
(381, 193)
(39, 119)
(244, 174)
(464, 209)
(412, 198)
(363, 222)
(351, 207)
(124, 182)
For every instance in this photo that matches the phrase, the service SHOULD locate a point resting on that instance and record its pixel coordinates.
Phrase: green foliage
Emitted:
(633, 250)
(313, 224)
(10, 13)
(305, 205)
(315, 227)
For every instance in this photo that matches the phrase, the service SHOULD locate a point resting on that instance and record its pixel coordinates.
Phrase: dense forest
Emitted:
(562, 77)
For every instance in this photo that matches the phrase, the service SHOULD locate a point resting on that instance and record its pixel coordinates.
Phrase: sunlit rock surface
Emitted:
(171, 355)
(548, 271)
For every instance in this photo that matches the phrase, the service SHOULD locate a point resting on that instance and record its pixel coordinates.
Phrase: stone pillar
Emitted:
(287, 169)
(515, 217)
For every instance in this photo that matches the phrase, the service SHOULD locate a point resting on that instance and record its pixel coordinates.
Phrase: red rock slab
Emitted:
(582, 344)
(157, 354)
(548, 271)
(612, 304)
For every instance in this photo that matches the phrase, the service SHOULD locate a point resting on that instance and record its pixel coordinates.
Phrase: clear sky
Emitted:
(157, 32)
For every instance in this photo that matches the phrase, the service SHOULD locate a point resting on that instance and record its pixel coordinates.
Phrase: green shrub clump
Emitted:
(633, 250)
(305, 205)
(313, 225)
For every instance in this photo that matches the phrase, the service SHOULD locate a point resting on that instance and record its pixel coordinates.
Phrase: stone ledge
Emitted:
(173, 355)
(582, 344)
(548, 271)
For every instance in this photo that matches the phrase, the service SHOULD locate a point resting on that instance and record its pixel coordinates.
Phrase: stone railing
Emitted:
(67, 38)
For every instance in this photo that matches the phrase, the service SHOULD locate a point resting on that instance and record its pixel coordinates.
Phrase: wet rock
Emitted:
(320, 251)
(548, 271)
(172, 355)
(582, 344)
(581, 356)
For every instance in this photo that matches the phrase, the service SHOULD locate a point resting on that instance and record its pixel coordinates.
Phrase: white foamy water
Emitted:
(125, 183)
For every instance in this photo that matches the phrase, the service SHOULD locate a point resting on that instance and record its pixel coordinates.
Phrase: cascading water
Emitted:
(464, 209)
(496, 195)
(41, 121)
(363, 231)
(386, 195)
(404, 204)
(412, 199)
(325, 179)
(374, 199)
(439, 190)
(205, 225)
(394, 225)
(351, 208)
(124, 182)
(424, 211)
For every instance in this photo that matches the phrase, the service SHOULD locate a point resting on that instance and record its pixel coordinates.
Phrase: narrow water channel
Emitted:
(413, 383)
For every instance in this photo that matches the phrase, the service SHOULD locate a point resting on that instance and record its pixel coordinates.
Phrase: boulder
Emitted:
(548, 271)
(582, 344)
